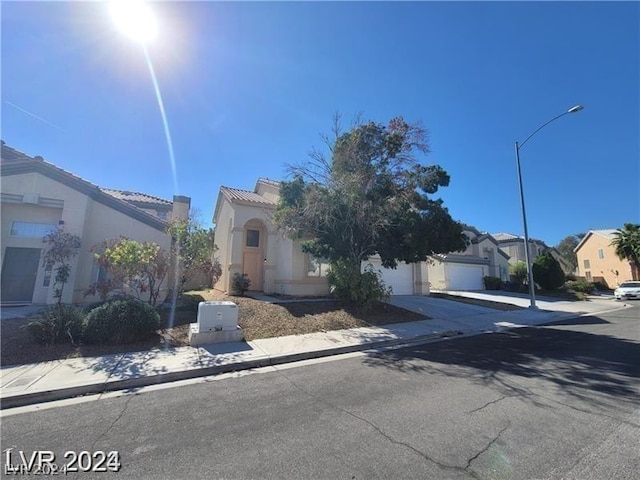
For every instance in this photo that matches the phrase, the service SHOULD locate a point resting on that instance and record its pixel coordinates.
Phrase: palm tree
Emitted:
(626, 242)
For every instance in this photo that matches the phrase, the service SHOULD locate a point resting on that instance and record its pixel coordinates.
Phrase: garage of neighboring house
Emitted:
(457, 272)
(400, 279)
(465, 277)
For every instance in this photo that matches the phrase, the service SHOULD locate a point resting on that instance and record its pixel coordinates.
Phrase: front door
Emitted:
(19, 272)
(253, 269)
(253, 257)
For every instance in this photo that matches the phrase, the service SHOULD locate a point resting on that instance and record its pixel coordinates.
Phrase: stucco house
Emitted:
(37, 197)
(466, 270)
(513, 246)
(248, 242)
(597, 260)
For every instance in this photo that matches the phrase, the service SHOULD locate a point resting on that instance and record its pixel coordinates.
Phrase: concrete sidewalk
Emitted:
(55, 380)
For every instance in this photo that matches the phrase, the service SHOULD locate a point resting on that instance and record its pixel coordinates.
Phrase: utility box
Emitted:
(216, 322)
(217, 316)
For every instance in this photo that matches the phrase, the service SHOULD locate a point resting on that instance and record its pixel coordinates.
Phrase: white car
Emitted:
(627, 290)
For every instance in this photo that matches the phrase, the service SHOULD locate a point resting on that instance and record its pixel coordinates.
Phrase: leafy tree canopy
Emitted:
(566, 247)
(627, 243)
(61, 247)
(193, 251)
(369, 196)
(547, 272)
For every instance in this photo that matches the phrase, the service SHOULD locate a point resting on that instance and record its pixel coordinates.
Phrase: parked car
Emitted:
(627, 290)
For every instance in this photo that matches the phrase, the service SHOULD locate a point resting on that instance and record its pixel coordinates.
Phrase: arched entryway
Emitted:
(254, 246)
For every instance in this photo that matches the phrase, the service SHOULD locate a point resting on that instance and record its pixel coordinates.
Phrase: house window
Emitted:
(46, 281)
(253, 238)
(587, 275)
(31, 230)
(600, 254)
(162, 214)
(587, 264)
(316, 266)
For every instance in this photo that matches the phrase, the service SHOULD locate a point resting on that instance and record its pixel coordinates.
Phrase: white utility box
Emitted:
(216, 322)
(217, 316)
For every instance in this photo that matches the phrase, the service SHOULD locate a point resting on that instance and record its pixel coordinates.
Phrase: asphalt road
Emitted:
(554, 402)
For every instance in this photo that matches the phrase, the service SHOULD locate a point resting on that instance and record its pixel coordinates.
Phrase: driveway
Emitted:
(592, 305)
(438, 308)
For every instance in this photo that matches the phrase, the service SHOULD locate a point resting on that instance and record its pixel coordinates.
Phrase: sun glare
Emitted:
(135, 19)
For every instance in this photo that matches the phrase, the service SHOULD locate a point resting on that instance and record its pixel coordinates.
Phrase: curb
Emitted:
(25, 399)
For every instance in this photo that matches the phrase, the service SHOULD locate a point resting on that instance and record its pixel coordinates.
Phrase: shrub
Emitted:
(359, 289)
(519, 271)
(57, 324)
(582, 286)
(492, 283)
(547, 272)
(121, 321)
(241, 283)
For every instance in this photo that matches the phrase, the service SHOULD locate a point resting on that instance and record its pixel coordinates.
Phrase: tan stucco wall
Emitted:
(499, 266)
(90, 220)
(284, 269)
(602, 267)
(105, 223)
(28, 213)
(515, 250)
(437, 274)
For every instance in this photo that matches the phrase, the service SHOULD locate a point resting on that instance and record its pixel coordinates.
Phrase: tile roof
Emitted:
(15, 162)
(238, 195)
(268, 181)
(504, 236)
(607, 232)
(507, 237)
(128, 196)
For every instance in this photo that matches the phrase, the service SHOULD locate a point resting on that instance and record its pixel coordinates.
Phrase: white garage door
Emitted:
(399, 279)
(465, 277)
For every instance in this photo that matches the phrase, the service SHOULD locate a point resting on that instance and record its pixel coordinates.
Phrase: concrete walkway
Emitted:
(28, 384)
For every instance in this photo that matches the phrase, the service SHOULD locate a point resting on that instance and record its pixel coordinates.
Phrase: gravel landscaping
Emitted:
(258, 319)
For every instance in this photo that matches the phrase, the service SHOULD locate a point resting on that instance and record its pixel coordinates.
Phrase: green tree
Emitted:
(547, 272)
(132, 266)
(192, 252)
(369, 196)
(61, 248)
(626, 242)
(566, 248)
(519, 270)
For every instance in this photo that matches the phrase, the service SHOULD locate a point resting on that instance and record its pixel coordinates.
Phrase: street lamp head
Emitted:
(135, 19)
(575, 109)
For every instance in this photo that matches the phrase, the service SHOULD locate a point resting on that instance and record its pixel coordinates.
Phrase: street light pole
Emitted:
(532, 289)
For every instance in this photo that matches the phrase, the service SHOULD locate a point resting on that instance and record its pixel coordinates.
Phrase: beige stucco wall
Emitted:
(499, 266)
(515, 250)
(284, 269)
(90, 220)
(29, 213)
(604, 267)
(104, 223)
(437, 274)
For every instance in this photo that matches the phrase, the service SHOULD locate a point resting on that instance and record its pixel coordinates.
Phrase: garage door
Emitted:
(399, 279)
(465, 277)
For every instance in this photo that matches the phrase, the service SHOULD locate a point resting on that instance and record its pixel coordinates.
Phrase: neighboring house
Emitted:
(465, 270)
(597, 260)
(37, 197)
(513, 246)
(248, 242)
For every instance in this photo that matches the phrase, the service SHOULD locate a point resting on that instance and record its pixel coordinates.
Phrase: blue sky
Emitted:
(249, 87)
